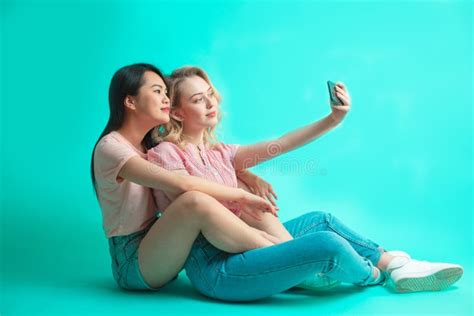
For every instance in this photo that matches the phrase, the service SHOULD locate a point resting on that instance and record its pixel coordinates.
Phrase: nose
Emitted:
(209, 103)
(166, 100)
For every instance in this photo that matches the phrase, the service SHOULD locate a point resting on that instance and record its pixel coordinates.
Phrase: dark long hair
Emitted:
(126, 81)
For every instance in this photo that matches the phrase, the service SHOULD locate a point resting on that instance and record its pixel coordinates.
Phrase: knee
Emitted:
(195, 203)
(319, 216)
(330, 243)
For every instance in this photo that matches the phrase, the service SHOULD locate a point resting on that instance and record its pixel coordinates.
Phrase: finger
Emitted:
(343, 108)
(270, 209)
(274, 212)
(273, 193)
(270, 198)
(343, 93)
(340, 84)
(340, 88)
(343, 98)
(340, 91)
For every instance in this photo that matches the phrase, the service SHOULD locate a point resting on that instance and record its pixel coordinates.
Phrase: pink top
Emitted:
(127, 207)
(215, 164)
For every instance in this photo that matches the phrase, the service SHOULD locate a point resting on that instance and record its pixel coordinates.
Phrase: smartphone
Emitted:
(332, 94)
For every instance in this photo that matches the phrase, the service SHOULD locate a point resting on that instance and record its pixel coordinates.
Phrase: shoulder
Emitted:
(226, 147)
(165, 147)
(165, 151)
(228, 150)
(110, 155)
(111, 145)
(167, 155)
(109, 139)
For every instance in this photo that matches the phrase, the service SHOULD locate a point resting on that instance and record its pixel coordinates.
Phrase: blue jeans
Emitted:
(321, 244)
(124, 254)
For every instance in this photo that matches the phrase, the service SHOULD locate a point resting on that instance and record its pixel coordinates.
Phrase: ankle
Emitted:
(384, 261)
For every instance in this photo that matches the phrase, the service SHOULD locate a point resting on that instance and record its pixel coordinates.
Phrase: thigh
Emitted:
(165, 248)
(269, 224)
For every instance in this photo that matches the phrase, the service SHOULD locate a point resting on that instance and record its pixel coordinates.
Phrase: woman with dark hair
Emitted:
(147, 253)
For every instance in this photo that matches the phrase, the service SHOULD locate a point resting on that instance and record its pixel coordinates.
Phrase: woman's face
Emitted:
(152, 103)
(198, 106)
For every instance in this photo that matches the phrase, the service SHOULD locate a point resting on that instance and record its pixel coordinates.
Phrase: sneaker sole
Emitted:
(433, 282)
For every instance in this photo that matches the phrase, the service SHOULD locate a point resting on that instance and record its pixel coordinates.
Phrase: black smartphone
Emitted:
(332, 94)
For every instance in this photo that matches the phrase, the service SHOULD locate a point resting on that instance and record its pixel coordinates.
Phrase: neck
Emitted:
(134, 132)
(195, 137)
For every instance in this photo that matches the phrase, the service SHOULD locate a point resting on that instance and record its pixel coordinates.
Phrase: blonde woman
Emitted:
(315, 243)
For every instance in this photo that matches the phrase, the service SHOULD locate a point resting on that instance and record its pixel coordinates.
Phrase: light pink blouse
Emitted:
(126, 207)
(215, 164)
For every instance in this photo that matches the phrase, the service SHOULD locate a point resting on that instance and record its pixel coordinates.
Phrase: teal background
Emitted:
(398, 169)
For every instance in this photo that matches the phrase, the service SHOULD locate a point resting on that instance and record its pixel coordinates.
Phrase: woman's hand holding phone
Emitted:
(340, 100)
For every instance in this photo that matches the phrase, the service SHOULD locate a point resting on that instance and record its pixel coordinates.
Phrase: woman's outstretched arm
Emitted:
(251, 155)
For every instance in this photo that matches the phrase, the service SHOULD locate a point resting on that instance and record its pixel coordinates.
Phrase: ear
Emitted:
(129, 102)
(177, 115)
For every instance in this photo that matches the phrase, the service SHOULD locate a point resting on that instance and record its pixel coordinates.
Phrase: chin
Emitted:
(162, 119)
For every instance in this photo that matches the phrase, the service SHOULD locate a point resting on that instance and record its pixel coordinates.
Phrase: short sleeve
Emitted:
(110, 156)
(167, 155)
(229, 151)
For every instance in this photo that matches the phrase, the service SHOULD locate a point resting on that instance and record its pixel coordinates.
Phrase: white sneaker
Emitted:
(398, 253)
(409, 275)
(383, 276)
(319, 282)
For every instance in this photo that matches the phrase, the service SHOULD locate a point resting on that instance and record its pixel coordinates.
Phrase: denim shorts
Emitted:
(124, 254)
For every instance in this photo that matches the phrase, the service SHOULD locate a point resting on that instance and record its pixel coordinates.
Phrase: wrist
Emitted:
(247, 177)
(333, 120)
(243, 174)
(241, 195)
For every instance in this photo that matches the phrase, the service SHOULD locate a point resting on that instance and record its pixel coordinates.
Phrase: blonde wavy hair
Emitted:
(173, 130)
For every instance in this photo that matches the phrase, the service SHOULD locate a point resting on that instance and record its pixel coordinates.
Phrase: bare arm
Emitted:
(143, 172)
(251, 155)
